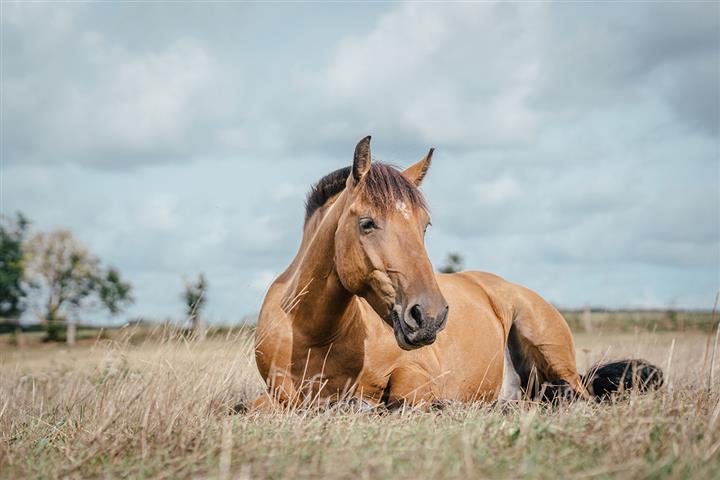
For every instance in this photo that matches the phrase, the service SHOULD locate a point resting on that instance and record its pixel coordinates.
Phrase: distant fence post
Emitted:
(70, 332)
(18, 335)
(200, 330)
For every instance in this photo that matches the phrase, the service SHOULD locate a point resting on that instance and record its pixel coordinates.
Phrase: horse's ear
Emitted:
(415, 173)
(361, 162)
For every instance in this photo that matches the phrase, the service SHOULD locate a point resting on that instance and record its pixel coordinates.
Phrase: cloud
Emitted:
(85, 98)
(693, 96)
(460, 76)
(493, 75)
(424, 75)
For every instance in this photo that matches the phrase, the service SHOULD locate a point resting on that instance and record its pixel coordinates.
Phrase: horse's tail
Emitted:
(621, 376)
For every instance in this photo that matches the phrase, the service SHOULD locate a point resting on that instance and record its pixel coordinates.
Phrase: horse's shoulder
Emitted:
(272, 314)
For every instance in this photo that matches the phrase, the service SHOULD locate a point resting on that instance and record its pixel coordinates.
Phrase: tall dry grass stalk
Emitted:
(716, 324)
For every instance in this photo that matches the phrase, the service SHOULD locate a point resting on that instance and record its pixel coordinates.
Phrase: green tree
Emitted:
(63, 278)
(195, 297)
(12, 293)
(453, 263)
(114, 293)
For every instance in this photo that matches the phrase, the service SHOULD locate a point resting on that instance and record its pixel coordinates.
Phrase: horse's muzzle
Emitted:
(414, 328)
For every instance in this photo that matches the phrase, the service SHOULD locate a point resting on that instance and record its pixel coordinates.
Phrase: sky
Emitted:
(577, 144)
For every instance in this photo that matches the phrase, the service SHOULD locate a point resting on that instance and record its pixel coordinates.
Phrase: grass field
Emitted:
(159, 409)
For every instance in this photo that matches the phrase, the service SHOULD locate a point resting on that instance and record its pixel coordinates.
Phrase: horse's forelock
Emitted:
(383, 186)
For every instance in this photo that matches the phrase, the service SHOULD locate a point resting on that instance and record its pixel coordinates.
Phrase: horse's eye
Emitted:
(367, 225)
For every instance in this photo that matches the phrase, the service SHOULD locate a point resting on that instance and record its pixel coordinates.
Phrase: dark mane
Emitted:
(383, 186)
(327, 187)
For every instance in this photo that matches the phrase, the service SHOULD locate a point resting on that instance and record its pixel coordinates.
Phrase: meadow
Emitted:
(159, 405)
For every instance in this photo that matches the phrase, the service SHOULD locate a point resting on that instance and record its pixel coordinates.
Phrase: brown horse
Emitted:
(360, 313)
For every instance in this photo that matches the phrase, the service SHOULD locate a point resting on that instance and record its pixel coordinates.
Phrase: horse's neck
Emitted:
(315, 299)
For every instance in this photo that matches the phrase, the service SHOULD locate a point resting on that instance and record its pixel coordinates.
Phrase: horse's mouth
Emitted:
(401, 335)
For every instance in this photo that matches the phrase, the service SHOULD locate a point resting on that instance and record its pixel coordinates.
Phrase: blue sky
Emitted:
(577, 144)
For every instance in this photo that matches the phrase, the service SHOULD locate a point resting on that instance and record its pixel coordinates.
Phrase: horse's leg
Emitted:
(541, 347)
(265, 403)
(511, 389)
(410, 386)
(279, 394)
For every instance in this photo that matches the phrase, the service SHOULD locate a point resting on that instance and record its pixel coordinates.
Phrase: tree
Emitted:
(114, 293)
(453, 263)
(64, 278)
(12, 293)
(195, 298)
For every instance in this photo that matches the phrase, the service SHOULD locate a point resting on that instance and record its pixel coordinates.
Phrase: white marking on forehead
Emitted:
(402, 208)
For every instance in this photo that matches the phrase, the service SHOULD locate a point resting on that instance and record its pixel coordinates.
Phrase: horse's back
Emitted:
(509, 302)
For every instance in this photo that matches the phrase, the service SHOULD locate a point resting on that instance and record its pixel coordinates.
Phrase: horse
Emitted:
(360, 315)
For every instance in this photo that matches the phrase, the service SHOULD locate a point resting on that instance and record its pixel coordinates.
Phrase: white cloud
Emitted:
(452, 74)
(478, 75)
(144, 103)
(105, 105)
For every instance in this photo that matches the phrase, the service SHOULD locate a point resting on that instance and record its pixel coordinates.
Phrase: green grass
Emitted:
(160, 409)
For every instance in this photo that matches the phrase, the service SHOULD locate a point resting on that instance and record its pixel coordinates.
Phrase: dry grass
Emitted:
(160, 409)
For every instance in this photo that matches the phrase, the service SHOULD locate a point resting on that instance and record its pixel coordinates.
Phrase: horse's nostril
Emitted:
(416, 314)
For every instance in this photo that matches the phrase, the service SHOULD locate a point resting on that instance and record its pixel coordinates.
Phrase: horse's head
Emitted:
(380, 251)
